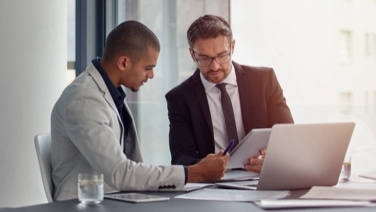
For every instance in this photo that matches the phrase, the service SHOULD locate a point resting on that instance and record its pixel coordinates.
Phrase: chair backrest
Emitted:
(43, 148)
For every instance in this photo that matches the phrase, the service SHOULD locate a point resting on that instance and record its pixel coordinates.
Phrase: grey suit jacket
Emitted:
(87, 136)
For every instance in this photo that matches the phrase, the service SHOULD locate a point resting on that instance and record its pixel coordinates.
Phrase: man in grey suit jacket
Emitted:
(197, 126)
(93, 130)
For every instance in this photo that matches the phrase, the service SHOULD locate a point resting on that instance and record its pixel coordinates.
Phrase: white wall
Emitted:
(33, 39)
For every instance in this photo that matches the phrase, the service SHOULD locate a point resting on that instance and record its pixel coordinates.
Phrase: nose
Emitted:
(151, 74)
(214, 65)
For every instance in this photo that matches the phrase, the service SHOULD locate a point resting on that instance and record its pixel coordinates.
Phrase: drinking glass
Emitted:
(346, 168)
(90, 188)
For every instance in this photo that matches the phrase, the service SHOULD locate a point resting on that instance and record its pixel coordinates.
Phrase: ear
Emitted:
(123, 63)
(192, 54)
(232, 46)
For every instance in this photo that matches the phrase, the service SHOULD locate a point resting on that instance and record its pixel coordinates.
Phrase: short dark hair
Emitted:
(131, 38)
(208, 26)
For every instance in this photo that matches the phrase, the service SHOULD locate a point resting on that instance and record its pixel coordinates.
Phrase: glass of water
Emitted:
(346, 169)
(90, 188)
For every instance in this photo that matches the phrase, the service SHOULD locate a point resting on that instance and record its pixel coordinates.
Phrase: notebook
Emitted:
(304, 155)
(249, 146)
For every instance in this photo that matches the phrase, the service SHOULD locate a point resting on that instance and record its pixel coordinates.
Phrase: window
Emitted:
(366, 102)
(345, 48)
(370, 45)
(345, 102)
(71, 40)
(170, 21)
(374, 103)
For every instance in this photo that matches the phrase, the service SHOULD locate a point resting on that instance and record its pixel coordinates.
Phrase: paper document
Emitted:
(233, 175)
(248, 185)
(322, 192)
(370, 175)
(195, 186)
(300, 203)
(233, 195)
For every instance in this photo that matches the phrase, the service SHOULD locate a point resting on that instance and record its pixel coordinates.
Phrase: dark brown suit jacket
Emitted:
(191, 132)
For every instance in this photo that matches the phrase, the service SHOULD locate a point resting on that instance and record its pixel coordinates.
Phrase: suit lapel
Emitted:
(93, 72)
(102, 87)
(132, 150)
(244, 95)
(199, 90)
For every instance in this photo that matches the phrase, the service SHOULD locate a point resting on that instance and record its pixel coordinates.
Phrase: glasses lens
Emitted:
(222, 59)
(207, 61)
(204, 62)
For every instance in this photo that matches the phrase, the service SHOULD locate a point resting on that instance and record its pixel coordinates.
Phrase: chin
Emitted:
(135, 89)
(216, 80)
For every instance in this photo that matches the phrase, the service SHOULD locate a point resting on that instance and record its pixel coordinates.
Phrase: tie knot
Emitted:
(221, 86)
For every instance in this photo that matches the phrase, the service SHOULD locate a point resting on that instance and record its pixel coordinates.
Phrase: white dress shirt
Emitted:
(213, 94)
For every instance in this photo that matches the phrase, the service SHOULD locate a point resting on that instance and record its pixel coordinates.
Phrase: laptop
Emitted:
(300, 156)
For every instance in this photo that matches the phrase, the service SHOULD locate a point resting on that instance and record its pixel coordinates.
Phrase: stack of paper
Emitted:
(300, 203)
(195, 186)
(234, 175)
(321, 196)
(233, 195)
(322, 192)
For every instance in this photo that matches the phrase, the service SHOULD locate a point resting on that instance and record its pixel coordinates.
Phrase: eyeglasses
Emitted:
(207, 61)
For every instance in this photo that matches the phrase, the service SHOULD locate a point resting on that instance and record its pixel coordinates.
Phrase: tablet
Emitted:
(136, 197)
(249, 146)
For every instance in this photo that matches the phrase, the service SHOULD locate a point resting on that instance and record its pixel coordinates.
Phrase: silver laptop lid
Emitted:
(304, 155)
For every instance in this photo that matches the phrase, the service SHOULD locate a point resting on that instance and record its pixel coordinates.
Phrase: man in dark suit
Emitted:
(197, 123)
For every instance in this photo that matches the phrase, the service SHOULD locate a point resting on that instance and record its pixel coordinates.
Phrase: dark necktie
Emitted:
(228, 113)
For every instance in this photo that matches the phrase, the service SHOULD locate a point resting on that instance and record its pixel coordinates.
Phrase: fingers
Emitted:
(255, 161)
(217, 168)
(263, 152)
(210, 168)
(253, 168)
(261, 157)
(254, 164)
(220, 153)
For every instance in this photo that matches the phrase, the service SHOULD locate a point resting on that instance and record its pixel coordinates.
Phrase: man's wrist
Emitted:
(194, 174)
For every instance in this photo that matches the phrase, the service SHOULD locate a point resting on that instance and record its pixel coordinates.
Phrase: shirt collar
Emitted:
(117, 94)
(230, 79)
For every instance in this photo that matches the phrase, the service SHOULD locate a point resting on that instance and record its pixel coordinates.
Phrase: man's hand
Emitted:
(210, 168)
(255, 164)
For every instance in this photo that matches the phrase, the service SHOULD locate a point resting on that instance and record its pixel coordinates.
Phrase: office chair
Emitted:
(43, 148)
